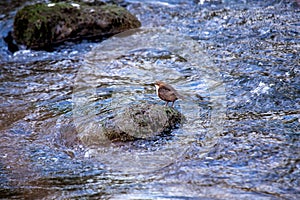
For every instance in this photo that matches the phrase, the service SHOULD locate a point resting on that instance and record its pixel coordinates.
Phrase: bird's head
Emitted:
(159, 83)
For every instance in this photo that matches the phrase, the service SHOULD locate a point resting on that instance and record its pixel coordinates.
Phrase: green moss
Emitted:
(42, 25)
(113, 8)
(34, 23)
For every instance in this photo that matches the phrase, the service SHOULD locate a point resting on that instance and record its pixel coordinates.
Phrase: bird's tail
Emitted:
(180, 96)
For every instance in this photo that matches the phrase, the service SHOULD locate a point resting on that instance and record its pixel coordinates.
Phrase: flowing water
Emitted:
(236, 63)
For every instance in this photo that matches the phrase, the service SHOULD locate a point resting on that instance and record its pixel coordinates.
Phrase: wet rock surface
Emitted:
(142, 122)
(43, 26)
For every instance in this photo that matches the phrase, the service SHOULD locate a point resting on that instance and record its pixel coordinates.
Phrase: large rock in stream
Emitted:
(144, 121)
(42, 26)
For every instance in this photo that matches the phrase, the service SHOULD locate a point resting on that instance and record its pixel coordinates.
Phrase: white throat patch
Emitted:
(156, 87)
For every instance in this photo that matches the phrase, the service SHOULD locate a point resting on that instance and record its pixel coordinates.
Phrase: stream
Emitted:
(236, 63)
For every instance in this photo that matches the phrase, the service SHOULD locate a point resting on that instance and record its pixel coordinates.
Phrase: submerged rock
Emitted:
(142, 122)
(42, 26)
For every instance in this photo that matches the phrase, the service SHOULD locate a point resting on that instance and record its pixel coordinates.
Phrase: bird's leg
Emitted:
(166, 103)
(172, 104)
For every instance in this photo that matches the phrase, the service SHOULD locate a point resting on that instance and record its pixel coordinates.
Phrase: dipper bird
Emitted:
(167, 92)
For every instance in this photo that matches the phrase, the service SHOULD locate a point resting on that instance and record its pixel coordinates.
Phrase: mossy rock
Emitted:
(142, 122)
(43, 26)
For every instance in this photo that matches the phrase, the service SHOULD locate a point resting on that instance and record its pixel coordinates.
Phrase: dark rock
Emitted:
(12, 47)
(142, 122)
(42, 26)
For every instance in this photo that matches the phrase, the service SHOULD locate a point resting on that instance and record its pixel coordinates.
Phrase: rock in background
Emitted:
(42, 26)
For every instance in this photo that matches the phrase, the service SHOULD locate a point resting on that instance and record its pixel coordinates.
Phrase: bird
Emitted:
(166, 92)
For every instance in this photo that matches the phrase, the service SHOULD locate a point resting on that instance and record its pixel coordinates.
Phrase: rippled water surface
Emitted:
(236, 63)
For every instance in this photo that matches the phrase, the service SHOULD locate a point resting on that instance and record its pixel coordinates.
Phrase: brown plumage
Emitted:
(166, 92)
